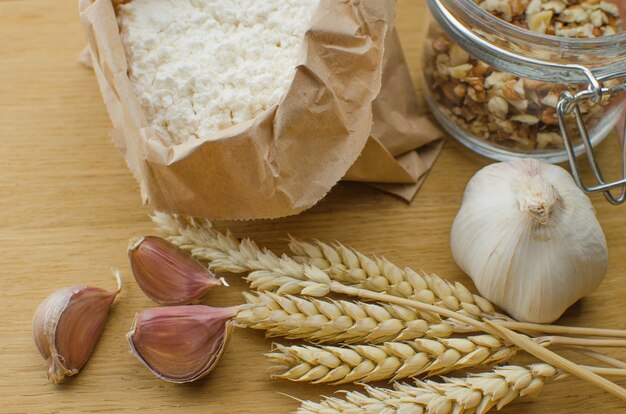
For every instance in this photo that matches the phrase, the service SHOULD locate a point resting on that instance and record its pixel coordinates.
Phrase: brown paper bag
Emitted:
(289, 157)
(403, 143)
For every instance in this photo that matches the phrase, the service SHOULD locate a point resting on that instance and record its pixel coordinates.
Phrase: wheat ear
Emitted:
(337, 321)
(283, 275)
(340, 321)
(224, 253)
(349, 266)
(476, 393)
(389, 361)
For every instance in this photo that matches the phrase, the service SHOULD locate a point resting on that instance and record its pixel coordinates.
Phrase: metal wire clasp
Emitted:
(568, 104)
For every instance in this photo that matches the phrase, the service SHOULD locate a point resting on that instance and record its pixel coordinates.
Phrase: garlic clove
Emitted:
(167, 274)
(67, 325)
(181, 343)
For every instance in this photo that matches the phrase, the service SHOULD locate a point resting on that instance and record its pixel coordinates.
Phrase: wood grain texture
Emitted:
(68, 206)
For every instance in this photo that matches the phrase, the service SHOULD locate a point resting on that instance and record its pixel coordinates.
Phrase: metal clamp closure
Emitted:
(567, 105)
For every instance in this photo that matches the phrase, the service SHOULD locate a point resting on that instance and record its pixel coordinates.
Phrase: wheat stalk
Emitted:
(282, 274)
(336, 321)
(224, 253)
(389, 361)
(348, 265)
(476, 393)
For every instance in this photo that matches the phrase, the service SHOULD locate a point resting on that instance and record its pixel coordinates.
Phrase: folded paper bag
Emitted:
(403, 143)
(288, 157)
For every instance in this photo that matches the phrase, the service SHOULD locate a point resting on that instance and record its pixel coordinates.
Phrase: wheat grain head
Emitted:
(337, 321)
(476, 393)
(348, 265)
(389, 361)
(303, 276)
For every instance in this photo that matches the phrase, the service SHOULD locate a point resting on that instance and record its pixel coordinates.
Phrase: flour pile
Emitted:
(200, 66)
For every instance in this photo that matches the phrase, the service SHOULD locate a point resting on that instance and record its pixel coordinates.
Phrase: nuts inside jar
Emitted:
(499, 107)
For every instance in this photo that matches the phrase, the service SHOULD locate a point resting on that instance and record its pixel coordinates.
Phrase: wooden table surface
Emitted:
(68, 206)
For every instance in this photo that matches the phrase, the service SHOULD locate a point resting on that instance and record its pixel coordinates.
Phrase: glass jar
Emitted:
(496, 85)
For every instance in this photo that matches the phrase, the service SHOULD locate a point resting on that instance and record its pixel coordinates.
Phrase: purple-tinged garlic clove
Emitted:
(167, 274)
(67, 325)
(181, 343)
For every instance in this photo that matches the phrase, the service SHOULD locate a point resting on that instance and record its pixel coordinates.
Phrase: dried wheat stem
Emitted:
(558, 361)
(606, 371)
(337, 321)
(569, 341)
(318, 284)
(389, 361)
(425, 307)
(562, 330)
(618, 363)
(486, 326)
(476, 393)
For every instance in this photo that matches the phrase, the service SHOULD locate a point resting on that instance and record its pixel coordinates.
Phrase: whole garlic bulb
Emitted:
(529, 239)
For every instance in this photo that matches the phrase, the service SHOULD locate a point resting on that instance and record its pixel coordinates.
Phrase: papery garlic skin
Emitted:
(181, 343)
(67, 325)
(529, 239)
(167, 274)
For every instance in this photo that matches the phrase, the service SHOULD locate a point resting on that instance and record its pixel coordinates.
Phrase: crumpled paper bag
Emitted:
(403, 143)
(287, 158)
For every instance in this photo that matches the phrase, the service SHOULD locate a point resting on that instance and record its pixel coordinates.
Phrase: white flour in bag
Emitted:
(199, 66)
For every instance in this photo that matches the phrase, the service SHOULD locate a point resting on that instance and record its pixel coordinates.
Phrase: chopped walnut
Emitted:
(461, 71)
(540, 22)
(500, 107)
(458, 55)
(498, 7)
(573, 14)
(557, 6)
(526, 119)
(513, 90)
(549, 139)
